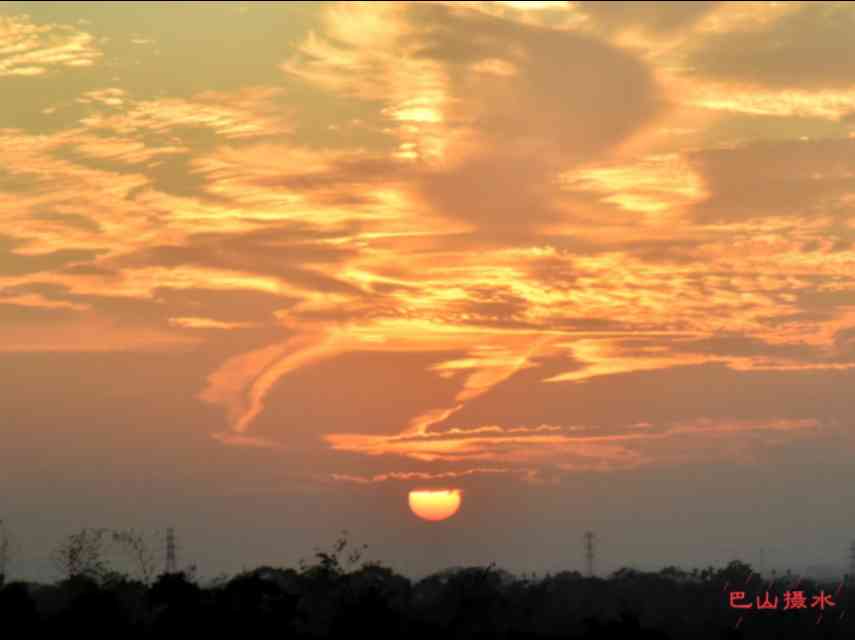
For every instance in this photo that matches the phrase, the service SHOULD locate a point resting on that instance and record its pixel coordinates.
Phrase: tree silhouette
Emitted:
(735, 572)
(82, 554)
(340, 595)
(17, 608)
(335, 561)
(133, 544)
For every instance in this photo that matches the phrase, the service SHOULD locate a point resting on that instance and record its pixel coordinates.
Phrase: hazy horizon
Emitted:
(267, 268)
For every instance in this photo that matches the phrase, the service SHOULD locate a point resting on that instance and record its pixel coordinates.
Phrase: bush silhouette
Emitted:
(340, 595)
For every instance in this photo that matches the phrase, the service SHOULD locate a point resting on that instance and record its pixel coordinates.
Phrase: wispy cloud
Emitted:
(31, 49)
(540, 196)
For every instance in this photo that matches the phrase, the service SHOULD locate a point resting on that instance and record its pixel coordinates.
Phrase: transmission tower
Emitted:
(589, 552)
(171, 562)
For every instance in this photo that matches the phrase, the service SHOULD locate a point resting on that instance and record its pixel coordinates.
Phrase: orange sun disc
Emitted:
(434, 504)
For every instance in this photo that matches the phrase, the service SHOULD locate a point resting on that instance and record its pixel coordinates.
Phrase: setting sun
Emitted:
(434, 504)
(275, 270)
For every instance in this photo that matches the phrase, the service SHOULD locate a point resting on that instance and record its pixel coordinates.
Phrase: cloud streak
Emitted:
(553, 199)
(30, 49)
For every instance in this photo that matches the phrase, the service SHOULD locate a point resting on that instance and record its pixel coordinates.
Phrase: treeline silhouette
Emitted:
(335, 595)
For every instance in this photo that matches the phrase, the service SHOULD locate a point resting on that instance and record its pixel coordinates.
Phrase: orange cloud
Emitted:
(408, 476)
(30, 49)
(209, 323)
(552, 195)
(248, 113)
(630, 448)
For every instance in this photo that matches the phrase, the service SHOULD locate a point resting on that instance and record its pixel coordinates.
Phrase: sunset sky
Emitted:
(266, 268)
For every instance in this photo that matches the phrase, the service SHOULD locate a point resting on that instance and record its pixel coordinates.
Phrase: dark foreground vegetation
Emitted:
(334, 598)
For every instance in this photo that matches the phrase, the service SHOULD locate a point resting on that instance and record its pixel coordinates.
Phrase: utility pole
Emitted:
(852, 561)
(4, 552)
(171, 562)
(589, 552)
